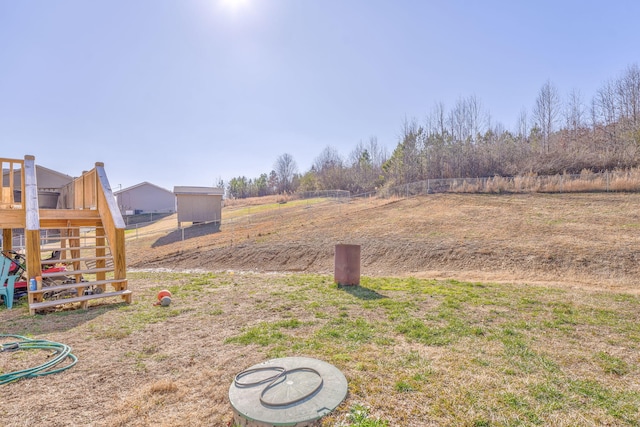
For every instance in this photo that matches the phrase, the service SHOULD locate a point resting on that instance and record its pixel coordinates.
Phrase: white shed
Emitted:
(199, 204)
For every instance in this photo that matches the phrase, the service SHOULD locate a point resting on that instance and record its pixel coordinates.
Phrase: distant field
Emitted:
(580, 239)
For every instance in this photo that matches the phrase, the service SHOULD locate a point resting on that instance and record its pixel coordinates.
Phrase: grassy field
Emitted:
(473, 310)
(580, 240)
(415, 352)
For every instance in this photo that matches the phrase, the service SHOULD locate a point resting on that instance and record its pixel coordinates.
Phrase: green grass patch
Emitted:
(265, 334)
(359, 417)
(611, 364)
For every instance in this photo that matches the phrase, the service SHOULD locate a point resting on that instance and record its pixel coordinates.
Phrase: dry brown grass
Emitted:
(577, 239)
(257, 201)
(587, 181)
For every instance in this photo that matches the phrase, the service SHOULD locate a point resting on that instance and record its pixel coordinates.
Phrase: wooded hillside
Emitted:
(559, 134)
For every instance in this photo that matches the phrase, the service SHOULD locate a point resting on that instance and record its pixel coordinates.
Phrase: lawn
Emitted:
(415, 352)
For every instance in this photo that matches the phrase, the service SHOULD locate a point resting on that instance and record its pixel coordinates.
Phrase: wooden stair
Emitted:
(87, 273)
(87, 234)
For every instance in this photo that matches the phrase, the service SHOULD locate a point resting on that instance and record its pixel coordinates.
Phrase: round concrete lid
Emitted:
(312, 390)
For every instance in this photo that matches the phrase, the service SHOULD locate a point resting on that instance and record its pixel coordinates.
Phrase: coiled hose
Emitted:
(61, 352)
(271, 382)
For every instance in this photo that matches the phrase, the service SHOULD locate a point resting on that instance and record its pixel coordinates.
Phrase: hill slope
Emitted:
(588, 240)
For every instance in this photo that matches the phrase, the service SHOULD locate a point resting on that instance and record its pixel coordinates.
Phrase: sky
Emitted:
(189, 92)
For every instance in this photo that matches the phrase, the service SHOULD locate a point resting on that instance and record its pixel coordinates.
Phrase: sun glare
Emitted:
(234, 4)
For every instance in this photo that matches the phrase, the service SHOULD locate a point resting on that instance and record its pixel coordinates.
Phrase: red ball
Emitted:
(163, 293)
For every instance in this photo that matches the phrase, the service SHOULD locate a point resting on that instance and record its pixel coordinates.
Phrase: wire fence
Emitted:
(338, 195)
(314, 202)
(564, 183)
(243, 221)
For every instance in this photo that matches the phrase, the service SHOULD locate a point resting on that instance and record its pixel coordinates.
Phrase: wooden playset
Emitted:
(74, 253)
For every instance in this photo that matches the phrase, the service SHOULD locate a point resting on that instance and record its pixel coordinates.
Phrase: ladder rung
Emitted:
(71, 260)
(78, 248)
(83, 227)
(52, 303)
(59, 238)
(67, 286)
(76, 272)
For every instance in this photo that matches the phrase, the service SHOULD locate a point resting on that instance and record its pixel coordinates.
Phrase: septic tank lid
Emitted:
(290, 391)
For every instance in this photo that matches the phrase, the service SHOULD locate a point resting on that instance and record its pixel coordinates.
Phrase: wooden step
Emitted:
(126, 295)
(76, 272)
(72, 248)
(91, 264)
(72, 260)
(55, 239)
(72, 227)
(75, 285)
(81, 248)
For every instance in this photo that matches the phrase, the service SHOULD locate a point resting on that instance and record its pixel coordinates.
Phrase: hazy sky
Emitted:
(184, 92)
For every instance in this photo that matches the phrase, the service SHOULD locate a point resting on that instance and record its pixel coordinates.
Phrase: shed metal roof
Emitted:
(203, 191)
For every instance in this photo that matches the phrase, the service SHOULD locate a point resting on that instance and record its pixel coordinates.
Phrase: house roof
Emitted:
(203, 191)
(144, 183)
(5, 171)
(54, 172)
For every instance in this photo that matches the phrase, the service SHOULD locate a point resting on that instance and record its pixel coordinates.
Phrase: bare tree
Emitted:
(365, 168)
(628, 94)
(574, 113)
(546, 111)
(606, 105)
(412, 146)
(285, 168)
(467, 119)
(628, 97)
(436, 123)
(523, 125)
(329, 168)
(605, 116)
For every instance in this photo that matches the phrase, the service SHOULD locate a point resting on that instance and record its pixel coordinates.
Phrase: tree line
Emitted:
(558, 134)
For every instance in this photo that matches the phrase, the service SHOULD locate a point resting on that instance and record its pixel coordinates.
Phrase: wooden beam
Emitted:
(68, 214)
(7, 239)
(32, 225)
(100, 253)
(34, 270)
(50, 218)
(11, 183)
(61, 223)
(12, 218)
(30, 196)
(112, 222)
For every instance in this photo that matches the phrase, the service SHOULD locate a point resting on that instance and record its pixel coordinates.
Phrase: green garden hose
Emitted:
(61, 352)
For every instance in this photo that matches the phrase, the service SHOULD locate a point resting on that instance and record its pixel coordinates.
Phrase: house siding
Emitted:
(146, 198)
